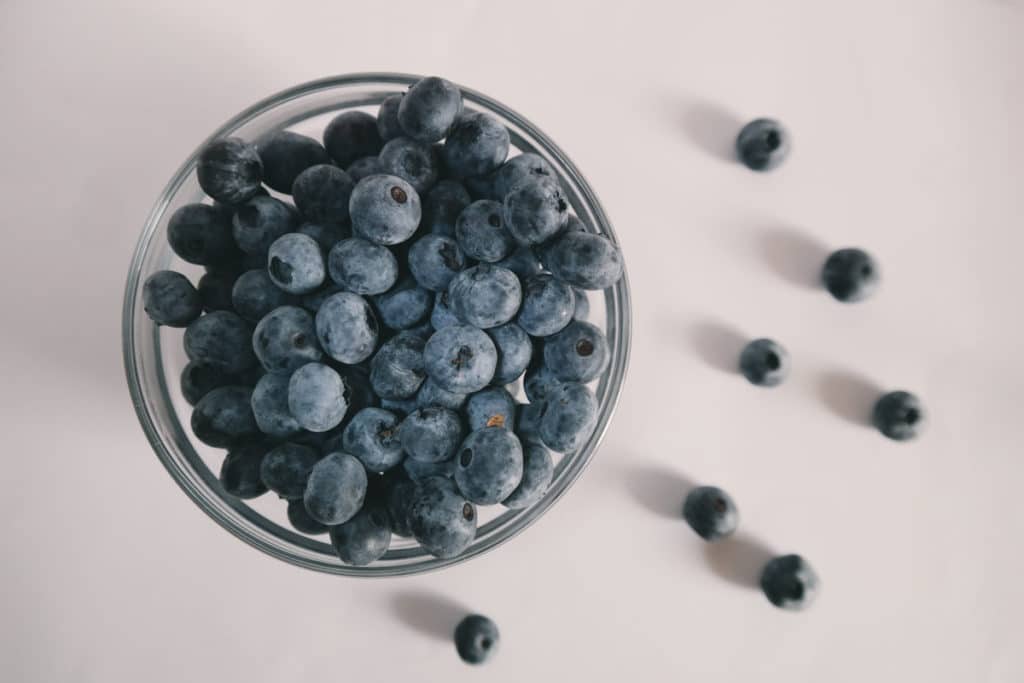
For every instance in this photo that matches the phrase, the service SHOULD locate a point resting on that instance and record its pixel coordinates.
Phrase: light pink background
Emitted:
(906, 119)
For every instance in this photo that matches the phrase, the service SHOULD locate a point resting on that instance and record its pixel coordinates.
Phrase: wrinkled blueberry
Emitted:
(240, 471)
(317, 397)
(476, 639)
(481, 232)
(254, 295)
(222, 340)
(434, 260)
(526, 166)
(789, 582)
(296, 263)
(514, 352)
(201, 234)
(850, 275)
(285, 339)
(384, 209)
(535, 211)
(537, 473)
(270, 406)
(170, 299)
(335, 489)
(570, 414)
(414, 162)
(362, 267)
(490, 465)
(476, 145)
(710, 512)
(301, 520)
(285, 155)
(579, 353)
(898, 415)
(350, 136)
(387, 118)
(491, 407)
(429, 108)
(397, 368)
(762, 144)
(372, 436)
(585, 260)
(485, 296)
(460, 359)
(346, 328)
(431, 434)
(548, 305)
(440, 518)
(224, 416)
(229, 170)
(442, 206)
(364, 538)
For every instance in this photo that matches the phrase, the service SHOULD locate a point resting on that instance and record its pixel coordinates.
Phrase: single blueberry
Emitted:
(325, 234)
(229, 170)
(491, 407)
(476, 639)
(431, 434)
(321, 193)
(526, 166)
(414, 162)
(442, 206)
(301, 520)
(579, 353)
(514, 352)
(201, 234)
(270, 406)
(350, 136)
(224, 416)
(490, 465)
(764, 363)
(240, 471)
(789, 582)
(335, 489)
(476, 145)
(548, 305)
(540, 380)
(570, 414)
(434, 260)
(460, 359)
(481, 232)
(387, 118)
(384, 209)
(254, 295)
(285, 155)
(585, 260)
(285, 469)
(364, 538)
(372, 436)
(222, 340)
(528, 416)
(317, 397)
(397, 368)
(441, 316)
(362, 267)
(199, 379)
(439, 517)
(538, 471)
(296, 263)
(363, 168)
(710, 512)
(418, 470)
(346, 328)
(429, 108)
(433, 394)
(898, 415)
(523, 262)
(762, 144)
(535, 210)
(285, 339)
(215, 289)
(850, 275)
(582, 300)
(406, 305)
(170, 299)
(485, 296)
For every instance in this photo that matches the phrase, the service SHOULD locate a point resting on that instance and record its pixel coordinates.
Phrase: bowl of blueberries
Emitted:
(376, 324)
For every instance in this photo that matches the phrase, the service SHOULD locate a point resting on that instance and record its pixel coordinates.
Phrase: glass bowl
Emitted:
(154, 357)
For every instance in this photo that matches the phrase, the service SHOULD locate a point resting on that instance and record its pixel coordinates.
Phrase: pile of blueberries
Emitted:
(353, 349)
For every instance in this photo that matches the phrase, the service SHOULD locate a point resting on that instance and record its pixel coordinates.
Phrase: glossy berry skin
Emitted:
(240, 471)
(321, 193)
(485, 296)
(346, 328)
(201, 234)
(285, 155)
(270, 406)
(490, 465)
(362, 267)
(405, 306)
(230, 170)
(364, 168)
(569, 417)
(763, 144)
(414, 162)
(301, 521)
(476, 145)
(285, 469)
(170, 299)
(429, 108)
(434, 260)
(387, 118)
(317, 398)
(397, 369)
(460, 359)
(476, 639)
(372, 436)
(384, 209)
(441, 316)
(481, 232)
(431, 434)
(224, 416)
(431, 394)
(325, 234)
(535, 211)
(442, 206)
(850, 275)
(515, 351)
(585, 260)
(491, 407)
(789, 582)
(351, 135)
(898, 415)
(523, 262)
(711, 513)
(215, 289)
(364, 538)
(764, 363)
(526, 166)
(335, 489)
(579, 353)
(285, 339)
(538, 470)
(199, 379)
(222, 340)
(439, 517)
(254, 295)
(296, 263)
(548, 305)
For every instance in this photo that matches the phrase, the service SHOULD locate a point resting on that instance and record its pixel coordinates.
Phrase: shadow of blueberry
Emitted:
(432, 614)
(848, 396)
(792, 255)
(712, 128)
(738, 559)
(718, 344)
(659, 489)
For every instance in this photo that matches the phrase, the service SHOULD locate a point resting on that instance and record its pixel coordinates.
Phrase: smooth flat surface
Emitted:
(906, 121)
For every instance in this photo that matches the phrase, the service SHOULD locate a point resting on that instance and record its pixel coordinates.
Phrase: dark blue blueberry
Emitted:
(384, 209)
(296, 263)
(199, 379)
(346, 328)
(240, 471)
(285, 155)
(364, 538)
(321, 193)
(441, 316)
(360, 391)
(582, 309)
(490, 465)
(537, 473)
(363, 168)
(485, 296)
(222, 340)
(579, 353)
(442, 206)
(481, 233)
(352, 135)
(317, 397)
(898, 415)
(514, 352)
(325, 234)
(585, 260)
(433, 394)
(789, 582)
(414, 162)
(850, 275)
(362, 267)
(405, 305)
(535, 211)
(570, 413)
(201, 234)
(372, 436)
(434, 260)
(539, 380)
(439, 517)
(429, 108)
(397, 496)
(387, 118)
(476, 639)
(481, 187)
(431, 434)
(764, 363)
(491, 407)
(526, 166)
(215, 289)
(285, 469)
(397, 369)
(301, 520)
(711, 513)
(254, 295)
(523, 262)
(548, 305)
(224, 416)
(285, 339)
(270, 406)
(762, 144)
(418, 469)
(528, 416)
(460, 359)
(335, 489)
(170, 299)
(229, 170)
(399, 406)
(476, 145)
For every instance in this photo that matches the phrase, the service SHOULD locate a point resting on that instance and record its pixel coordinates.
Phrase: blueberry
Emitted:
(398, 492)
(384, 209)
(372, 436)
(537, 473)
(764, 363)
(481, 187)
(387, 118)
(229, 170)
(170, 299)
(432, 394)
(200, 234)
(397, 369)
(405, 305)
(434, 260)
(412, 161)
(301, 520)
(490, 465)
(481, 233)
(350, 136)
(539, 380)
(296, 263)
(221, 340)
(224, 416)
(346, 328)
(335, 489)
(523, 262)
(528, 416)
(579, 353)
(548, 305)
(325, 234)
(762, 144)
(285, 469)
(285, 155)
(710, 512)
(585, 260)
(535, 210)
(441, 316)
(317, 397)
(442, 206)
(362, 267)
(789, 582)
(460, 359)
(440, 518)
(850, 275)
(485, 296)
(418, 469)
(321, 193)
(491, 407)
(364, 538)
(285, 339)
(360, 391)
(570, 414)
(270, 406)
(254, 295)
(582, 301)
(431, 434)
(399, 406)
(476, 145)
(526, 166)
(429, 108)
(514, 352)
(240, 471)
(363, 168)
(898, 415)
(215, 289)
(199, 379)
(476, 639)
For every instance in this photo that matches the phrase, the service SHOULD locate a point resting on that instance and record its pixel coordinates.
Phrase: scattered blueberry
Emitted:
(372, 436)
(442, 206)
(535, 211)
(431, 434)
(230, 170)
(240, 471)
(301, 520)
(485, 296)
(789, 582)
(429, 108)
(387, 118)
(325, 234)
(321, 193)
(585, 260)
(537, 473)
(364, 538)
(850, 275)
(476, 145)
(335, 489)
(199, 379)
(254, 295)
(523, 262)
(200, 234)
(317, 398)
(548, 305)
(491, 407)
(898, 415)
(414, 162)
(346, 328)
(526, 166)
(764, 363)
(569, 417)
(222, 340)
(476, 639)
(579, 353)
(296, 263)
(215, 289)
(224, 416)
(384, 209)
(285, 155)
(514, 352)
(439, 517)
(170, 299)
(405, 305)
(397, 369)
(434, 260)
(711, 513)
(762, 144)
(490, 465)
(362, 267)
(460, 359)
(352, 135)
(285, 339)
(481, 232)
(363, 168)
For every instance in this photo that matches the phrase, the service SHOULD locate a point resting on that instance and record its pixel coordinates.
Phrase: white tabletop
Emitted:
(906, 120)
